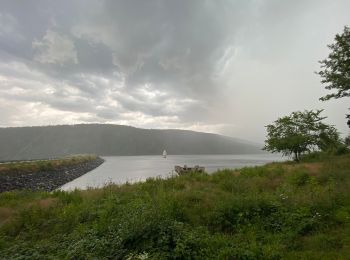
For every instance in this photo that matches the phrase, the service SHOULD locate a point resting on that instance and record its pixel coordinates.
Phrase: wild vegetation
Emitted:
(280, 210)
(43, 165)
(335, 69)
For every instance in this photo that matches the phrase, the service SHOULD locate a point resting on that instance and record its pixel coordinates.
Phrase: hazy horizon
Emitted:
(78, 124)
(224, 67)
(56, 141)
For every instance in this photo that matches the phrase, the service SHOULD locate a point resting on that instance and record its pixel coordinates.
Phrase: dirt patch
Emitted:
(5, 215)
(313, 168)
(43, 203)
(274, 183)
(47, 203)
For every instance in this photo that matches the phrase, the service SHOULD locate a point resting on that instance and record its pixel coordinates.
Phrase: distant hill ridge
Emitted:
(104, 139)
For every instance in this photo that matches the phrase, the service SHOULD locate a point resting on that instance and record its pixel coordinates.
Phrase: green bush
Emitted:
(299, 178)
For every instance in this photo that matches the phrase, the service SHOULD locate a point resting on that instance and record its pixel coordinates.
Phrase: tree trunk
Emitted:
(296, 157)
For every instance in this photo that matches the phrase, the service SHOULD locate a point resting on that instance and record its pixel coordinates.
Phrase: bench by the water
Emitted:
(183, 170)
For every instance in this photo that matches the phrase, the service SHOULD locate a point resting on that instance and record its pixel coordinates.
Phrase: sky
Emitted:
(226, 66)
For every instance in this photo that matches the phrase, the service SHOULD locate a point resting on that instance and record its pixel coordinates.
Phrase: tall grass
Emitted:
(280, 210)
(43, 165)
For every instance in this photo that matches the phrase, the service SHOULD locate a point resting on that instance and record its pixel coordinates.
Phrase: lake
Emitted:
(122, 169)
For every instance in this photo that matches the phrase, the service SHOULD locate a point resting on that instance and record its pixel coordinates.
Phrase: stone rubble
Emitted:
(46, 180)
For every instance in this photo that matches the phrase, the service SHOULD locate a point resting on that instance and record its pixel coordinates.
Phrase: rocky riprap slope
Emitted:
(46, 180)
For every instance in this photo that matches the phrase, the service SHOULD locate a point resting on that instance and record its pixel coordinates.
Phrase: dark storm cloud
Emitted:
(169, 44)
(204, 65)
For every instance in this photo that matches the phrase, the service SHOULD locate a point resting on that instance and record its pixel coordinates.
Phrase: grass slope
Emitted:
(281, 210)
(44, 165)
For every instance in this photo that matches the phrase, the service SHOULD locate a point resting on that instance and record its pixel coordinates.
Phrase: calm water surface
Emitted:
(121, 169)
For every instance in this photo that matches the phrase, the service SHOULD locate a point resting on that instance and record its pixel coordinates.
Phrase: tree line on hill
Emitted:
(55, 141)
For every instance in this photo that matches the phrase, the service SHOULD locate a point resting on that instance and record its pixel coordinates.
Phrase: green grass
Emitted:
(44, 165)
(281, 210)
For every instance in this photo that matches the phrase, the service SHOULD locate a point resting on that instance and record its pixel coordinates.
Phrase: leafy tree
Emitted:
(335, 71)
(300, 132)
(347, 141)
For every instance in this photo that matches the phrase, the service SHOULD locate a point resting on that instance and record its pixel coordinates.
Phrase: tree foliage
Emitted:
(347, 141)
(300, 132)
(335, 71)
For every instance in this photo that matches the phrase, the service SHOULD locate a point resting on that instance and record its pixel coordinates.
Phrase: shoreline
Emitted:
(46, 180)
(132, 169)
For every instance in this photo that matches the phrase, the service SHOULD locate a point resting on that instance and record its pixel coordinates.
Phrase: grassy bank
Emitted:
(44, 165)
(281, 210)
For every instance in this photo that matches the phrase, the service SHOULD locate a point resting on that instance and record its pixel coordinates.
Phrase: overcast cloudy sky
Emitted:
(228, 67)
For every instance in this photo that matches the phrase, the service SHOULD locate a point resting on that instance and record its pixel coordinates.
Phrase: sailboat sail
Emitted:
(164, 154)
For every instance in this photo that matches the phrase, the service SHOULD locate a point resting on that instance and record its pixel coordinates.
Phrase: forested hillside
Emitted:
(53, 141)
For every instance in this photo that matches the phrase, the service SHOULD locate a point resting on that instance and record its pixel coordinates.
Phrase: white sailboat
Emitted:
(164, 154)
